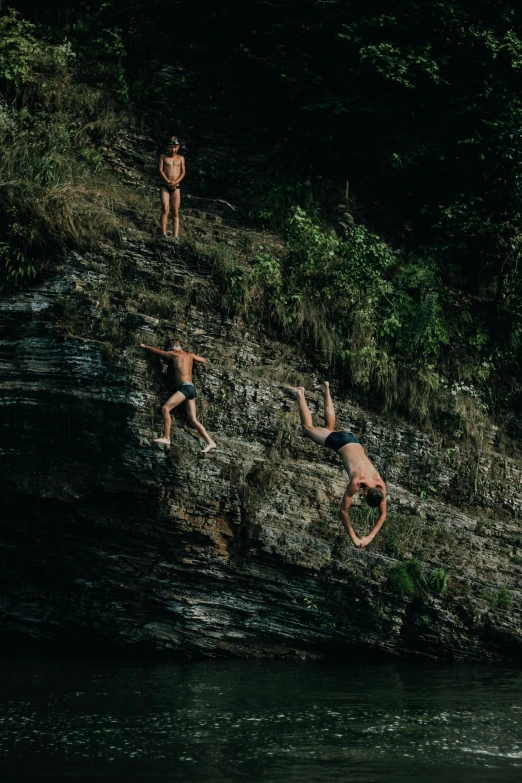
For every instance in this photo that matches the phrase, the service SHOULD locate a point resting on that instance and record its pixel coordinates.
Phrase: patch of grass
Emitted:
(199, 292)
(280, 373)
(287, 431)
(263, 477)
(407, 579)
(400, 534)
(497, 598)
(238, 294)
(411, 579)
(480, 526)
(157, 305)
(109, 329)
(437, 581)
(473, 418)
(252, 487)
(69, 320)
(170, 302)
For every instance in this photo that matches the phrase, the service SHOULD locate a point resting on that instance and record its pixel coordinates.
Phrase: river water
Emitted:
(222, 722)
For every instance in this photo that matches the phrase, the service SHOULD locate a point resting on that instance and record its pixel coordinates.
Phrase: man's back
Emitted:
(182, 362)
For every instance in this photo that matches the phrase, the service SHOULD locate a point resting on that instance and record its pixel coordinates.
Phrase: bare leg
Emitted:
(329, 412)
(304, 411)
(173, 402)
(165, 205)
(175, 199)
(193, 421)
(317, 434)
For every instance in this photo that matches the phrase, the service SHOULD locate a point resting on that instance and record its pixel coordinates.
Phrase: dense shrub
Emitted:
(386, 322)
(54, 188)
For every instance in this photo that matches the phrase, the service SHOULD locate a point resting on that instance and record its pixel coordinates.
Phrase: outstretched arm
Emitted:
(165, 354)
(365, 540)
(198, 359)
(345, 505)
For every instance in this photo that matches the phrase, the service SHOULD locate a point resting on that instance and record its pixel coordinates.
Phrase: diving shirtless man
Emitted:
(185, 392)
(172, 170)
(360, 470)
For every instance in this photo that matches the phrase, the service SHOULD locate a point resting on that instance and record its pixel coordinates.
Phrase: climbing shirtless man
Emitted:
(185, 391)
(360, 470)
(172, 170)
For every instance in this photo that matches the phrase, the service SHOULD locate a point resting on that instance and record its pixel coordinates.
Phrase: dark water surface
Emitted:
(217, 722)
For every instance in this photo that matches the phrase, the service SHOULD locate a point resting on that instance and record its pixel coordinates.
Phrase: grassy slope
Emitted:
(65, 148)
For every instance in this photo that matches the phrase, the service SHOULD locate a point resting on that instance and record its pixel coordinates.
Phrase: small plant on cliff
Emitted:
(437, 581)
(497, 599)
(408, 579)
(16, 267)
(411, 579)
(310, 604)
(326, 622)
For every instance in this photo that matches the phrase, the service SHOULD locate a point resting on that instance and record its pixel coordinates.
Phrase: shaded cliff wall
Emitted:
(107, 538)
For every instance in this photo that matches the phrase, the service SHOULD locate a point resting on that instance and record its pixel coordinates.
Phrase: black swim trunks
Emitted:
(337, 440)
(169, 188)
(188, 390)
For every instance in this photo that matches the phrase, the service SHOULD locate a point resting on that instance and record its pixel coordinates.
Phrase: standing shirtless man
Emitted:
(360, 470)
(185, 391)
(172, 170)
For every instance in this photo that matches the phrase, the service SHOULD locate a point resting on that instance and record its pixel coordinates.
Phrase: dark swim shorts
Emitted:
(188, 390)
(169, 188)
(337, 440)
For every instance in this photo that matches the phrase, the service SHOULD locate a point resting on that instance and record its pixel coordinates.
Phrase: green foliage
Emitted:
(408, 579)
(111, 42)
(310, 604)
(401, 534)
(54, 189)
(411, 579)
(18, 49)
(16, 268)
(352, 300)
(497, 598)
(324, 621)
(279, 200)
(438, 581)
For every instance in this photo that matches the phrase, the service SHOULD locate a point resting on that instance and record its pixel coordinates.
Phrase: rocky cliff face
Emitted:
(108, 538)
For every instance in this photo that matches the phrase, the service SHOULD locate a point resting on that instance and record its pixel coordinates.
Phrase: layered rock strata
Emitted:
(110, 539)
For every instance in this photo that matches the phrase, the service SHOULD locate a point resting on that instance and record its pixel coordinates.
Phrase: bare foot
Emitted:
(322, 387)
(295, 391)
(208, 447)
(166, 441)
